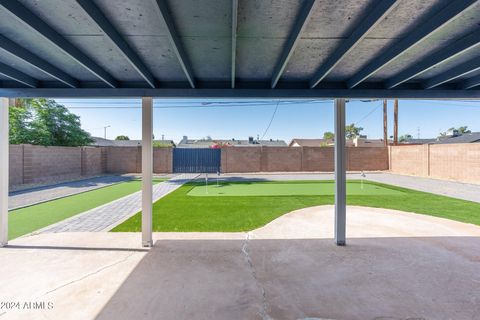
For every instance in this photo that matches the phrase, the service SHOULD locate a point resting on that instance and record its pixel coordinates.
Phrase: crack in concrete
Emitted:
(90, 274)
(80, 279)
(264, 313)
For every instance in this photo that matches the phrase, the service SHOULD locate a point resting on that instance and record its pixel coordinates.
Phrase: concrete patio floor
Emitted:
(396, 265)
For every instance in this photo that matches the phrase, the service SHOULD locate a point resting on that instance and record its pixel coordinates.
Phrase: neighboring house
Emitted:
(210, 143)
(310, 142)
(356, 142)
(101, 142)
(473, 137)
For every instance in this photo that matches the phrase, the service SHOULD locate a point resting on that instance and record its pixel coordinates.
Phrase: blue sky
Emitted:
(293, 119)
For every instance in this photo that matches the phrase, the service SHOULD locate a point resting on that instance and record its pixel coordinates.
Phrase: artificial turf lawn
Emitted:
(29, 219)
(286, 189)
(180, 212)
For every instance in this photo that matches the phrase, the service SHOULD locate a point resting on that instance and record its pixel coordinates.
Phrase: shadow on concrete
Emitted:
(74, 248)
(84, 183)
(370, 278)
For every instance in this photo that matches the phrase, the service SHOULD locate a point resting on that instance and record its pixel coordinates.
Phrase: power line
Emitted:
(446, 103)
(369, 114)
(284, 103)
(271, 120)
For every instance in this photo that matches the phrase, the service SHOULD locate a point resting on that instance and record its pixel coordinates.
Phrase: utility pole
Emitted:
(105, 132)
(395, 122)
(385, 127)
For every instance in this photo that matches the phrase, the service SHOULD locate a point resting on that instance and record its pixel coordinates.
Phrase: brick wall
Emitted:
(367, 159)
(16, 165)
(48, 164)
(162, 160)
(244, 159)
(459, 162)
(93, 161)
(129, 160)
(409, 160)
(318, 159)
(124, 159)
(36, 164)
(273, 159)
(281, 159)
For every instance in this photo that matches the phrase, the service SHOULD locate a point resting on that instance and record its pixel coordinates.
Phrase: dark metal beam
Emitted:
(379, 11)
(34, 60)
(36, 24)
(234, 38)
(448, 13)
(295, 94)
(295, 35)
(470, 83)
(164, 13)
(435, 59)
(18, 76)
(453, 73)
(109, 30)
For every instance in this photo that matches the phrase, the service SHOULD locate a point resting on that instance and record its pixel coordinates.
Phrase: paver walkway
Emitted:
(105, 217)
(18, 199)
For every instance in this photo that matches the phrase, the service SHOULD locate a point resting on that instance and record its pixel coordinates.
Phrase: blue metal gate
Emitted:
(196, 160)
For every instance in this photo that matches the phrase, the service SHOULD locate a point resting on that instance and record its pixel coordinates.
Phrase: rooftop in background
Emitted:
(356, 142)
(101, 142)
(309, 142)
(204, 48)
(208, 143)
(418, 141)
(473, 137)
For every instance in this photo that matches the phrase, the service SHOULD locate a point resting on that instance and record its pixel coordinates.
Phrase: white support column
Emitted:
(340, 173)
(147, 170)
(4, 146)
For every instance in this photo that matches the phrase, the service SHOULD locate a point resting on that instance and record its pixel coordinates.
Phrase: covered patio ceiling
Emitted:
(240, 48)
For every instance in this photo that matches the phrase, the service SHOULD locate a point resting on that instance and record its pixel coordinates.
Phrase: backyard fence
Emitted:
(459, 162)
(296, 159)
(37, 164)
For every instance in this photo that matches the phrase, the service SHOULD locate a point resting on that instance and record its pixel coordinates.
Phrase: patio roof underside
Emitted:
(281, 48)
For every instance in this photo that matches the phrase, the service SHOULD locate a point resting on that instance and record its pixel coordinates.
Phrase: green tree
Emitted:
(352, 131)
(45, 122)
(405, 138)
(20, 128)
(122, 138)
(328, 135)
(161, 144)
(460, 130)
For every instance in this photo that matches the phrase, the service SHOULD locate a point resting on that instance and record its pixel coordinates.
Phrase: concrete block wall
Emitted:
(318, 159)
(458, 162)
(16, 165)
(93, 161)
(367, 159)
(50, 164)
(241, 159)
(162, 160)
(282, 159)
(287, 159)
(409, 160)
(37, 164)
(129, 160)
(124, 159)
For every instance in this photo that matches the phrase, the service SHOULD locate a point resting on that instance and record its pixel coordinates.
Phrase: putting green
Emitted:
(315, 188)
